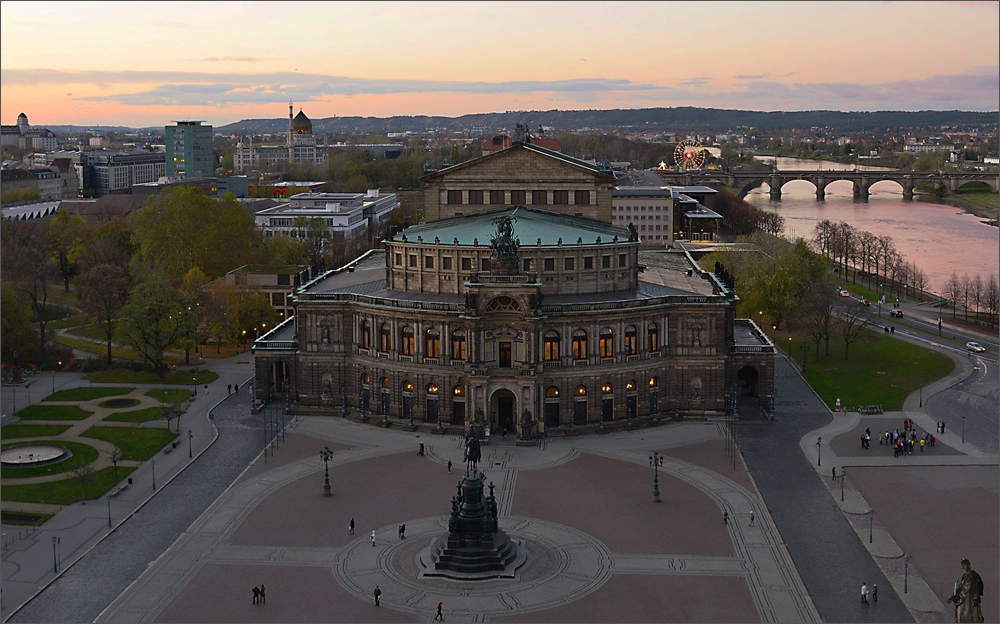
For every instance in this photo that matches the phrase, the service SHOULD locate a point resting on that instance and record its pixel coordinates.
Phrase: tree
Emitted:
(991, 296)
(189, 298)
(150, 321)
(965, 293)
(854, 323)
(976, 292)
(103, 292)
(28, 267)
(817, 310)
(219, 313)
(115, 455)
(66, 233)
(83, 472)
(254, 313)
(952, 292)
(16, 332)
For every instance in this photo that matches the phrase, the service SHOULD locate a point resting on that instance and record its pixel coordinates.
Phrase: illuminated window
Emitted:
(607, 342)
(458, 345)
(652, 337)
(630, 340)
(432, 343)
(385, 337)
(552, 345)
(580, 344)
(406, 340)
(366, 335)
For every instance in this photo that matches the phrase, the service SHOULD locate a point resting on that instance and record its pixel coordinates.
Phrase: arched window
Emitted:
(458, 344)
(385, 383)
(630, 340)
(551, 345)
(653, 337)
(406, 340)
(580, 344)
(432, 343)
(653, 382)
(407, 386)
(432, 388)
(458, 391)
(366, 335)
(581, 391)
(385, 337)
(552, 392)
(607, 342)
(630, 385)
(607, 388)
(366, 379)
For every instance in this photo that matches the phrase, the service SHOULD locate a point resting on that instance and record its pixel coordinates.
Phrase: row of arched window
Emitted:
(552, 392)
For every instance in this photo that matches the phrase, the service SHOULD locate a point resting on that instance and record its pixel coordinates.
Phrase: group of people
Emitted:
(865, 596)
(258, 594)
(906, 440)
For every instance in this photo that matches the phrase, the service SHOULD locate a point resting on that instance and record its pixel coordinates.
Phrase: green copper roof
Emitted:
(530, 226)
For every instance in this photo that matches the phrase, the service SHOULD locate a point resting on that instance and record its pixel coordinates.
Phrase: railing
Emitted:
(275, 345)
(751, 349)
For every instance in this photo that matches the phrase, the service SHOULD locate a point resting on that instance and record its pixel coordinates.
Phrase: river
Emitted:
(939, 238)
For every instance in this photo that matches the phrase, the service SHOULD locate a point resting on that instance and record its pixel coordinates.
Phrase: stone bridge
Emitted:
(862, 180)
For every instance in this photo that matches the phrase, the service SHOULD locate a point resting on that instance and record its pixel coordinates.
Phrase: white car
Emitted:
(844, 293)
(975, 347)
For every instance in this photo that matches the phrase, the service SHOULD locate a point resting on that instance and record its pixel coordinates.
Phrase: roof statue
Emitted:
(505, 245)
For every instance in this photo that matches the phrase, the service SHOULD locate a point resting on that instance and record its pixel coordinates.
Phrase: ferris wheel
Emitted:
(689, 155)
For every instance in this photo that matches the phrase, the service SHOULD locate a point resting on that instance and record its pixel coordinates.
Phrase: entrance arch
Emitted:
(749, 379)
(503, 409)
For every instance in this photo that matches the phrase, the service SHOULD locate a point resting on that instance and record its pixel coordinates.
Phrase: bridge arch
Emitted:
(971, 185)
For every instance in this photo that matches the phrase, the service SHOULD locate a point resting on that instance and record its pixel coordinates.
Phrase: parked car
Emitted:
(975, 347)
(865, 302)
(896, 313)
(844, 293)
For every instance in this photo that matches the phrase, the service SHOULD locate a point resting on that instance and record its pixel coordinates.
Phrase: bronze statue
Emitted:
(968, 595)
(472, 451)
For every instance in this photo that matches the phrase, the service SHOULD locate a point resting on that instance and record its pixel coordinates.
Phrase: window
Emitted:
(454, 197)
(551, 345)
(496, 197)
(606, 388)
(550, 264)
(568, 264)
(518, 198)
(399, 259)
(458, 345)
(526, 264)
(385, 337)
(652, 382)
(432, 388)
(432, 343)
(630, 340)
(582, 198)
(607, 342)
(560, 197)
(406, 340)
(446, 263)
(605, 262)
(552, 392)
(466, 264)
(653, 337)
(581, 391)
(475, 197)
(580, 344)
(413, 260)
(539, 197)
(621, 258)
(366, 335)
(428, 262)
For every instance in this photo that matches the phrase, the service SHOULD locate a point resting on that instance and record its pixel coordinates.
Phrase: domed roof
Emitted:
(301, 123)
(22, 116)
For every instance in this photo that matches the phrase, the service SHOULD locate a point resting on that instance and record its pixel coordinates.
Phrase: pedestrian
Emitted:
(875, 593)
(921, 445)
(402, 531)
(892, 330)
(378, 592)
(725, 517)
(932, 439)
(751, 518)
(263, 599)
(399, 531)
(350, 529)
(229, 389)
(421, 453)
(834, 478)
(373, 539)
(942, 426)
(439, 615)
(256, 594)
(880, 438)
(505, 433)
(449, 465)
(906, 424)
(236, 389)
(864, 594)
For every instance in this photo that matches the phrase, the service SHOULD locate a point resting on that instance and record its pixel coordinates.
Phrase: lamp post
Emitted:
(871, 524)
(54, 377)
(55, 559)
(819, 451)
(963, 428)
(805, 351)
(190, 438)
(109, 510)
(194, 386)
(906, 573)
(656, 460)
(152, 464)
(343, 402)
(325, 455)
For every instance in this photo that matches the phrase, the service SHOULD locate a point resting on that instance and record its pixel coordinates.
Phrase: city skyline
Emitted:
(223, 62)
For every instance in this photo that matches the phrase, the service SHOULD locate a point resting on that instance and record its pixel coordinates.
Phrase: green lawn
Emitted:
(24, 518)
(137, 444)
(53, 412)
(96, 332)
(10, 432)
(136, 416)
(81, 453)
(86, 393)
(118, 353)
(130, 376)
(169, 395)
(67, 491)
(880, 369)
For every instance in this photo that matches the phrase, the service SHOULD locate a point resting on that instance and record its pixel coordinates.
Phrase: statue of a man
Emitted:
(472, 451)
(968, 595)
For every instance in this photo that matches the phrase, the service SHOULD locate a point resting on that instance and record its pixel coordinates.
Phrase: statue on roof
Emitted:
(504, 244)
(633, 234)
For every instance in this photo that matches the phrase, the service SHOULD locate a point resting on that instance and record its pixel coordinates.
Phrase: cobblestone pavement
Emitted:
(597, 536)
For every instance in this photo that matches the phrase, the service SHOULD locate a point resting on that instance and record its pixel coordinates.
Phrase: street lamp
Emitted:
(819, 451)
(906, 573)
(190, 437)
(152, 464)
(963, 428)
(54, 377)
(805, 350)
(871, 523)
(55, 559)
(656, 460)
(109, 510)
(325, 455)
(843, 475)
(194, 386)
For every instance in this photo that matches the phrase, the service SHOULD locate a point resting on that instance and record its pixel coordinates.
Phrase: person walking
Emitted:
(350, 529)
(449, 465)
(256, 594)
(373, 538)
(864, 594)
(751, 518)
(834, 478)
(921, 445)
(875, 593)
(439, 615)
(263, 598)
(378, 595)
(402, 531)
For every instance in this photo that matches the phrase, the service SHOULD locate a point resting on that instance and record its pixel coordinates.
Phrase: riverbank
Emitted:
(984, 205)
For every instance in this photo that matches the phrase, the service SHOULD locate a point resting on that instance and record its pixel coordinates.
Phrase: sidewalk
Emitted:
(31, 560)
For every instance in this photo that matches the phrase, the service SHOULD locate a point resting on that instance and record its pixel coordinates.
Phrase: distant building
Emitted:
(111, 171)
(300, 149)
(503, 141)
(24, 136)
(348, 217)
(189, 150)
(237, 185)
(208, 185)
(276, 281)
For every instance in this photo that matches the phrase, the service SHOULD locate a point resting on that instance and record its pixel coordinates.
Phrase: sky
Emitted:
(146, 64)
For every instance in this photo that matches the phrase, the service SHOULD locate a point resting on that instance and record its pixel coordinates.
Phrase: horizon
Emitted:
(473, 58)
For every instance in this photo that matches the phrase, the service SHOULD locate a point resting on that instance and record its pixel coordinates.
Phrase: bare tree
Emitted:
(976, 292)
(952, 292)
(822, 235)
(853, 325)
(866, 245)
(83, 472)
(886, 250)
(817, 310)
(965, 293)
(115, 455)
(992, 297)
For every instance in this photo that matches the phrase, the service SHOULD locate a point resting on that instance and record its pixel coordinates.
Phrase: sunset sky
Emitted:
(145, 64)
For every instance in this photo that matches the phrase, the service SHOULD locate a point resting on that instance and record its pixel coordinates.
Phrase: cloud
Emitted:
(583, 60)
(697, 81)
(231, 59)
(752, 76)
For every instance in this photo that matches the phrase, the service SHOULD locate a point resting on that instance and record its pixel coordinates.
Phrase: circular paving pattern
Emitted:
(564, 564)
(32, 454)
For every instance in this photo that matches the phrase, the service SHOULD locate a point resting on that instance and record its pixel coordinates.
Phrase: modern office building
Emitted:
(113, 171)
(189, 150)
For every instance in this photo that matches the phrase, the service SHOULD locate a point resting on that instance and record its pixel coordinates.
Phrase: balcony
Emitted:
(748, 338)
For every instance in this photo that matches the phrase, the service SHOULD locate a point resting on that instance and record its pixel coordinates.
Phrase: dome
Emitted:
(22, 116)
(301, 123)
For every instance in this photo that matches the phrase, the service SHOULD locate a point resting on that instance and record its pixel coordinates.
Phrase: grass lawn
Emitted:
(130, 376)
(136, 416)
(880, 369)
(9, 432)
(81, 453)
(24, 518)
(86, 394)
(118, 353)
(95, 332)
(138, 444)
(67, 491)
(170, 395)
(53, 412)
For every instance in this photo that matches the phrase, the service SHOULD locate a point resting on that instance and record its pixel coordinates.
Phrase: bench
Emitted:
(119, 490)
